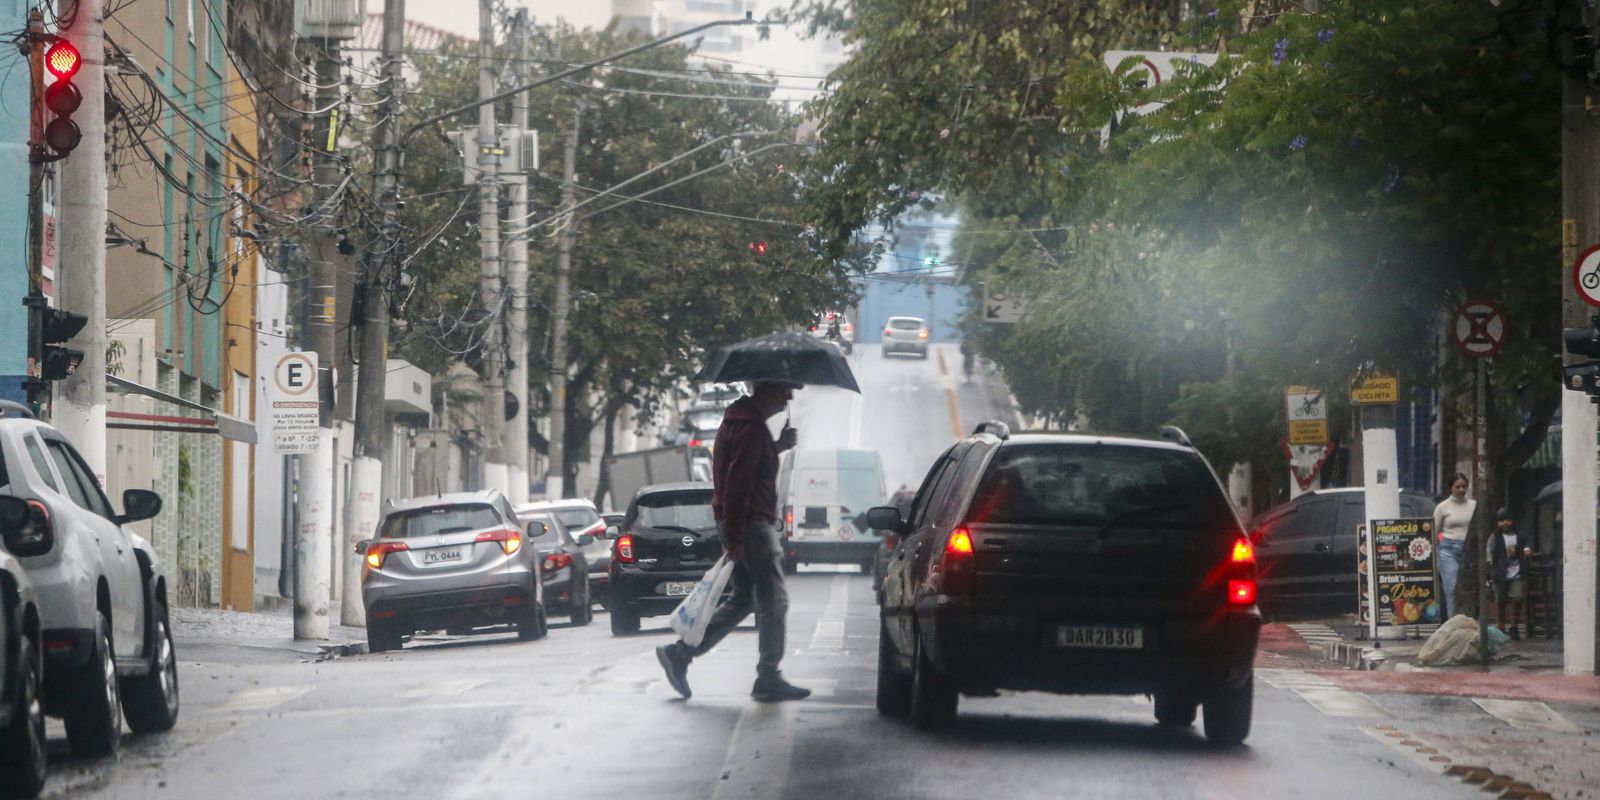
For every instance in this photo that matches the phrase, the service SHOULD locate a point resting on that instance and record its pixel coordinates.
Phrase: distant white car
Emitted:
(906, 335)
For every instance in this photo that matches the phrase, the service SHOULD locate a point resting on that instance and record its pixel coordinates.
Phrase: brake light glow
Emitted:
(378, 550)
(1241, 592)
(556, 561)
(510, 541)
(922, 334)
(1243, 552)
(624, 549)
(697, 443)
(959, 543)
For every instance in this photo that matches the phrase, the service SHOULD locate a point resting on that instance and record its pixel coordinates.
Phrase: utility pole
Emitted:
(556, 480)
(372, 314)
(492, 422)
(1580, 228)
(314, 539)
(516, 432)
(80, 410)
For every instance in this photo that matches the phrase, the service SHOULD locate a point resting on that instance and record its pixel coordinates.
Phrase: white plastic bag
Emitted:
(694, 613)
(1456, 642)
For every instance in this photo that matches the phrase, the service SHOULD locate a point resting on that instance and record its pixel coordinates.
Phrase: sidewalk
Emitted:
(267, 633)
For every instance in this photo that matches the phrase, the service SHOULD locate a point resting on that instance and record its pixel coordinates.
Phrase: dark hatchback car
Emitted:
(1306, 551)
(667, 542)
(1070, 563)
(563, 567)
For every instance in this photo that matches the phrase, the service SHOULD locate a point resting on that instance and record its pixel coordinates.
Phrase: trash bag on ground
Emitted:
(1456, 642)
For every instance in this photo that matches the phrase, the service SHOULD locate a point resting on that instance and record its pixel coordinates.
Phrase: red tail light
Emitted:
(959, 543)
(1241, 592)
(812, 328)
(378, 550)
(623, 551)
(957, 566)
(887, 332)
(788, 522)
(510, 541)
(891, 541)
(1242, 568)
(556, 561)
(697, 443)
(1244, 552)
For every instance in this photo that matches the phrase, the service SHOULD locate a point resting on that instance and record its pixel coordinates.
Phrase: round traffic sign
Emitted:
(295, 374)
(1586, 275)
(1479, 328)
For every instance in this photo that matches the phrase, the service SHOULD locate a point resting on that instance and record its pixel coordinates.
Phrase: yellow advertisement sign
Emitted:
(1376, 390)
(1308, 431)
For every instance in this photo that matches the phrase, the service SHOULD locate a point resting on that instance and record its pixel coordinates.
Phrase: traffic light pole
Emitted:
(555, 482)
(1580, 228)
(80, 408)
(492, 422)
(516, 250)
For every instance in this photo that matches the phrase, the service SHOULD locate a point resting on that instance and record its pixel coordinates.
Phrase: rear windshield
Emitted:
(439, 520)
(576, 518)
(905, 324)
(678, 509)
(1088, 484)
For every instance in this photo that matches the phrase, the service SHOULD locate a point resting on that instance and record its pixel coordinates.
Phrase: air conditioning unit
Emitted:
(329, 19)
(530, 151)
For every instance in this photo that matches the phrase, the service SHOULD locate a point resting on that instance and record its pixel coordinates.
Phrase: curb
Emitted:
(330, 651)
(1353, 656)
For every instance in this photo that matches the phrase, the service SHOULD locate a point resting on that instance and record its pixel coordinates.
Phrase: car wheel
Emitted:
(23, 761)
(534, 625)
(583, 612)
(933, 699)
(790, 566)
(1174, 709)
(1227, 714)
(94, 719)
(383, 636)
(624, 621)
(894, 689)
(151, 701)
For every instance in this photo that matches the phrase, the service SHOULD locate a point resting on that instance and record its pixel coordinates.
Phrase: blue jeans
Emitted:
(1450, 552)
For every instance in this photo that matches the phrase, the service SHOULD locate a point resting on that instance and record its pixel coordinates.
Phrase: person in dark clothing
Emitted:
(745, 502)
(1505, 571)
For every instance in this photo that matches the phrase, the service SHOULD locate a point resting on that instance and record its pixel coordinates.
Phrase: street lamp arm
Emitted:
(749, 19)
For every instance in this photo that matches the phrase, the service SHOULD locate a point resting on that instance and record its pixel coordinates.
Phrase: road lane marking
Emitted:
(856, 404)
(756, 763)
(829, 633)
(950, 396)
(1322, 694)
(1527, 715)
(1314, 634)
(261, 699)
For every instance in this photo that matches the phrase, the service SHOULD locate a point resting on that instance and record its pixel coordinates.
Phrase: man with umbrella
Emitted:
(745, 501)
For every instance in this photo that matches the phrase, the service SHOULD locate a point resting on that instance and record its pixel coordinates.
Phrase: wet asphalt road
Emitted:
(586, 714)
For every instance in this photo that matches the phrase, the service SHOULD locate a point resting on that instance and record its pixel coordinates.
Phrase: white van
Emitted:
(824, 495)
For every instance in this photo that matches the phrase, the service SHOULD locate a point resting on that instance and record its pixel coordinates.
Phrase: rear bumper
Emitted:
(452, 609)
(905, 347)
(984, 652)
(66, 647)
(644, 593)
(835, 552)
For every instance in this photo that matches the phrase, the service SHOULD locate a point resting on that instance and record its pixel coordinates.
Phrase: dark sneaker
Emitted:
(676, 666)
(1516, 635)
(776, 689)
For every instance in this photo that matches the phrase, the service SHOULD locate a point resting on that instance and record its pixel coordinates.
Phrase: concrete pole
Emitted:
(80, 409)
(372, 315)
(1580, 227)
(516, 434)
(493, 416)
(1380, 475)
(556, 480)
(313, 569)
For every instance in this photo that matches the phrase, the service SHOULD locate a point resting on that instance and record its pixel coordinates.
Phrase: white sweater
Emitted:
(1451, 518)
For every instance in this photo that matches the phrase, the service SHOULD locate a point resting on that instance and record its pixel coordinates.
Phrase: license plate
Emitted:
(678, 588)
(443, 555)
(1100, 637)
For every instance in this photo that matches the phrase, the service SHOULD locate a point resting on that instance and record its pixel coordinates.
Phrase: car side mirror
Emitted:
(884, 518)
(613, 531)
(137, 505)
(536, 529)
(25, 527)
(362, 546)
(585, 540)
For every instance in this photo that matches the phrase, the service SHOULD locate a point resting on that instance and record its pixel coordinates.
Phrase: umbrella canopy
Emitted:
(780, 357)
(1552, 490)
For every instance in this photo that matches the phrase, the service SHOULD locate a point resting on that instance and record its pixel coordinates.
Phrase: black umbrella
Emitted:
(780, 357)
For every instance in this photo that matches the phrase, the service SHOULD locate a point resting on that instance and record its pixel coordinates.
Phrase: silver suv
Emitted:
(452, 562)
(102, 598)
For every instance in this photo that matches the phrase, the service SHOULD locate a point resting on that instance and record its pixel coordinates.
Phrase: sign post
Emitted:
(1480, 329)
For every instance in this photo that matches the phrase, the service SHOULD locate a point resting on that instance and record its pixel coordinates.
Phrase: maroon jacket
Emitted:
(745, 471)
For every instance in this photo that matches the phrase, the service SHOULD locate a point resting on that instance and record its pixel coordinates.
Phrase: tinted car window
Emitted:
(36, 455)
(679, 509)
(905, 324)
(960, 480)
(439, 520)
(1309, 520)
(929, 494)
(577, 518)
(80, 490)
(1089, 484)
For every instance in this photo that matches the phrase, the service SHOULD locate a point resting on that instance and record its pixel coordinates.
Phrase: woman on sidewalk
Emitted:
(1451, 519)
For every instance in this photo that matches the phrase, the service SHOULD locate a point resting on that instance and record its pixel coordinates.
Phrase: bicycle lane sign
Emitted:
(1586, 275)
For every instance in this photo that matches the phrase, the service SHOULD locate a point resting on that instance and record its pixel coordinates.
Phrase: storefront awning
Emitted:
(231, 428)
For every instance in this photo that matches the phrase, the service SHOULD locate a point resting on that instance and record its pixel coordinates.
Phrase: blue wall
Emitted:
(886, 295)
(14, 103)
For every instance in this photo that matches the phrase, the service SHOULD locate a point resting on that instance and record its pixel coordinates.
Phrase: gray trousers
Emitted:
(757, 585)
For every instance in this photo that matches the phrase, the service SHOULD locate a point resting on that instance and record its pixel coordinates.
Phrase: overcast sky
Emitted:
(784, 53)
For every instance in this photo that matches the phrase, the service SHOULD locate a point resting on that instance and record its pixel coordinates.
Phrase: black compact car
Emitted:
(1306, 551)
(563, 568)
(1070, 563)
(23, 760)
(667, 542)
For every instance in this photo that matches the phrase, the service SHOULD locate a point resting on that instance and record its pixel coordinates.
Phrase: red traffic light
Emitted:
(62, 59)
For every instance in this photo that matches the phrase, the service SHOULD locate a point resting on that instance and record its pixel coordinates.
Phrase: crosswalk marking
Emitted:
(262, 699)
(441, 689)
(829, 634)
(1527, 715)
(1315, 633)
(1322, 694)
